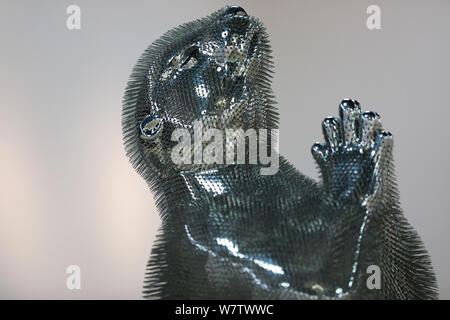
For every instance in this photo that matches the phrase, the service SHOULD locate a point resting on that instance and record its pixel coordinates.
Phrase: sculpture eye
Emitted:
(189, 57)
(150, 127)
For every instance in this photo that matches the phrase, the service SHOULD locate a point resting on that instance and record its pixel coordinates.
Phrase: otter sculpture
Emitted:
(228, 230)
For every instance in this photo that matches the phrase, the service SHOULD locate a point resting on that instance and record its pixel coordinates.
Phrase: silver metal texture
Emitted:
(230, 232)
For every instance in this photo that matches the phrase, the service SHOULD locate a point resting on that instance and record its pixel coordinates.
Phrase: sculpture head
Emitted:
(215, 70)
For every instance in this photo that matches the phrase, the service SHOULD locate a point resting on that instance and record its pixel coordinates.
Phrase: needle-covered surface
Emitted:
(228, 231)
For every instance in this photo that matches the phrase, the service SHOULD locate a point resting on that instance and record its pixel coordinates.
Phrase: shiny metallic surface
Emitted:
(150, 127)
(230, 232)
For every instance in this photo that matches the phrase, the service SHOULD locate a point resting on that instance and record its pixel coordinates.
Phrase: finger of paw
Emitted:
(383, 146)
(350, 113)
(331, 128)
(370, 128)
(319, 152)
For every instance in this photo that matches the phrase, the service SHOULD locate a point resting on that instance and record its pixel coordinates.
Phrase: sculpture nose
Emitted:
(235, 10)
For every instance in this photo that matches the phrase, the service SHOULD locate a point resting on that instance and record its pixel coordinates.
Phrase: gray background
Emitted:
(67, 192)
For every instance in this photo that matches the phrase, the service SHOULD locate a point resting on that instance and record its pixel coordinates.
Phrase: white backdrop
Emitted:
(67, 192)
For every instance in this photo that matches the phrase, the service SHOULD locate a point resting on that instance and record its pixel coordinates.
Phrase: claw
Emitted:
(347, 105)
(371, 115)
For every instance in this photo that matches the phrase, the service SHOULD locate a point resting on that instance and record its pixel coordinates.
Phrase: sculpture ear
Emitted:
(151, 127)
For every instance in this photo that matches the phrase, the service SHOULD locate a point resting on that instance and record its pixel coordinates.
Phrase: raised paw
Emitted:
(356, 156)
